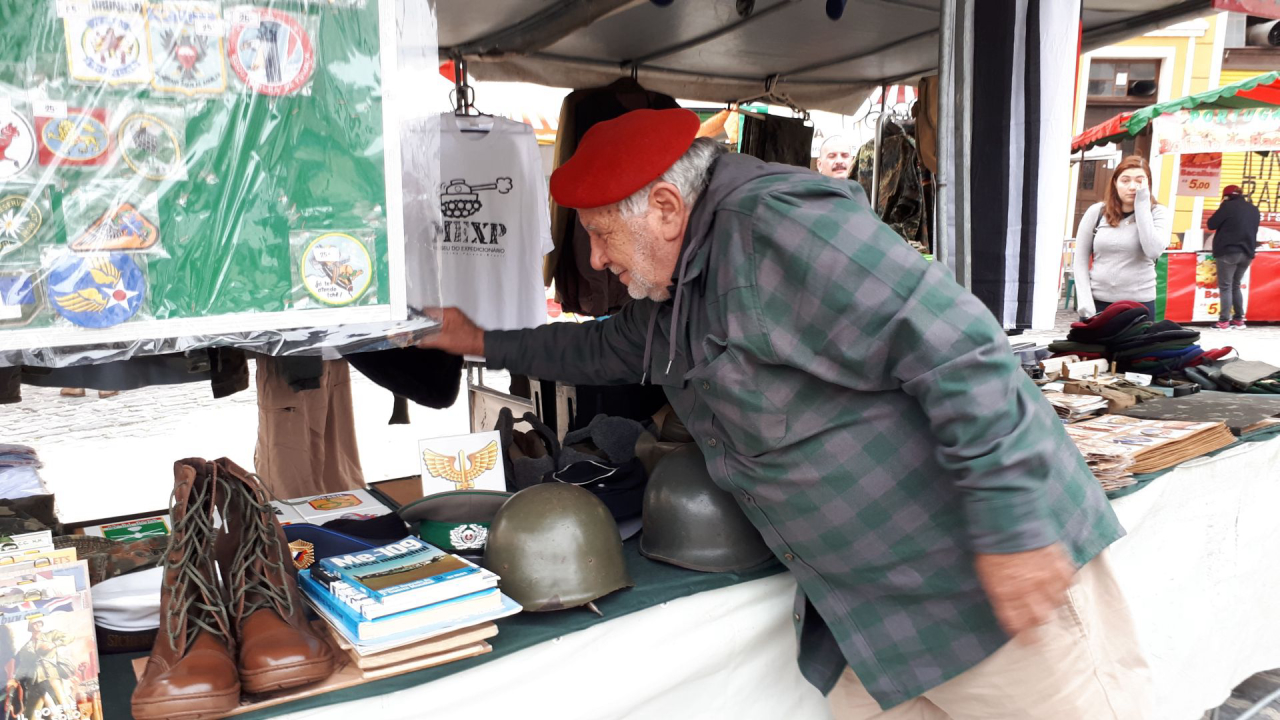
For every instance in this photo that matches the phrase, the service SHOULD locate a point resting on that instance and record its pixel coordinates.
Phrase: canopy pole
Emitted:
(875, 153)
(963, 65)
(942, 224)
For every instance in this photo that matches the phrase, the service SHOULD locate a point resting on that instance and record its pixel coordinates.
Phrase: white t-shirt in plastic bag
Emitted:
(497, 222)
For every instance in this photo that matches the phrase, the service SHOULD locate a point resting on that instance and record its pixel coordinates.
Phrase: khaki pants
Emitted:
(1084, 665)
(307, 439)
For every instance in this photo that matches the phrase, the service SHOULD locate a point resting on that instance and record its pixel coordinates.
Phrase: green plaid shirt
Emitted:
(866, 412)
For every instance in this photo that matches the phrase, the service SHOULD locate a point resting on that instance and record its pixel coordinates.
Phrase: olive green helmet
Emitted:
(556, 546)
(690, 522)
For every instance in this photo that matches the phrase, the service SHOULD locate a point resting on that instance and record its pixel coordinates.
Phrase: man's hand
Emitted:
(458, 335)
(1025, 588)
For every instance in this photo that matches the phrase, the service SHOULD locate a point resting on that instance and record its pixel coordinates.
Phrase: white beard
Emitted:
(644, 266)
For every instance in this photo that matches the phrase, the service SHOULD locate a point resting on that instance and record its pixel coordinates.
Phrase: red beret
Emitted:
(618, 157)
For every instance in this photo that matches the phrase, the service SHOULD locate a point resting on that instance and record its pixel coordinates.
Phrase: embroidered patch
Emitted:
(336, 269)
(121, 228)
(186, 47)
(269, 50)
(20, 299)
(108, 48)
(98, 291)
(150, 147)
(20, 219)
(80, 139)
(17, 144)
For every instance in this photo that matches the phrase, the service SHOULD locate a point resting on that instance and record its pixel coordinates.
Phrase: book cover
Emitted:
(416, 619)
(50, 660)
(139, 529)
(372, 609)
(38, 560)
(33, 542)
(333, 612)
(462, 462)
(398, 569)
(320, 509)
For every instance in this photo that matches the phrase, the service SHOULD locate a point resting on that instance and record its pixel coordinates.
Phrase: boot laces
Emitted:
(197, 601)
(252, 560)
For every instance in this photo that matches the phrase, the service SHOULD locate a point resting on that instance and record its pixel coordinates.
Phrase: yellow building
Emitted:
(1163, 65)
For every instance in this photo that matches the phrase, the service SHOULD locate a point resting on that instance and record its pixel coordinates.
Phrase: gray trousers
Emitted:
(1231, 270)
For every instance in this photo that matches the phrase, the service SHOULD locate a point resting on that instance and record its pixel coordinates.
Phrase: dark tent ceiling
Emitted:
(706, 50)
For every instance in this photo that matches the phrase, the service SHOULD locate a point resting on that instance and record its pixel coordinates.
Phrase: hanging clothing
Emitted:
(225, 369)
(580, 288)
(306, 439)
(777, 139)
(900, 204)
(427, 377)
(497, 222)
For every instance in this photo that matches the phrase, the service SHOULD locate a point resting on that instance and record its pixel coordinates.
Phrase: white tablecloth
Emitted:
(1201, 566)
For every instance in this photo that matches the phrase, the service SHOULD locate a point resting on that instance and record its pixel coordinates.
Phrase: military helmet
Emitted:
(555, 546)
(690, 522)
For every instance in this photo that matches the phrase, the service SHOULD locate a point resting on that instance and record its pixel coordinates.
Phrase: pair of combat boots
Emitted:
(239, 624)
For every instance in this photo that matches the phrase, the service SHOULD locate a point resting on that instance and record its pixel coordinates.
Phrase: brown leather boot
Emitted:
(191, 673)
(278, 648)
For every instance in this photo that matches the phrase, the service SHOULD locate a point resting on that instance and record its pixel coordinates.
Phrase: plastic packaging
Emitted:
(196, 173)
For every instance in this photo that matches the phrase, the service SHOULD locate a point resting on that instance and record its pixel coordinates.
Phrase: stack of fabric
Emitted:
(1125, 334)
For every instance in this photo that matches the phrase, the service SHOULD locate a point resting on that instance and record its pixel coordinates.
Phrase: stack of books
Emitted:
(405, 605)
(1076, 407)
(1118, 447)
(46, 611)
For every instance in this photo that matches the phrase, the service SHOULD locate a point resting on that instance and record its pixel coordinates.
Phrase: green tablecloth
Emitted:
(656, 583)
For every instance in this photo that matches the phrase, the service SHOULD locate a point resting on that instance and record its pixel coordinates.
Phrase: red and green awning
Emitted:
(1260, 91)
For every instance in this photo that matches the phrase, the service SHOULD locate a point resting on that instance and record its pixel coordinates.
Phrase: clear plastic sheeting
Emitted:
(187, 174)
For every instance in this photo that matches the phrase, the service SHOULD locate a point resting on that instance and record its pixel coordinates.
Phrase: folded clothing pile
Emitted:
(1125, 335)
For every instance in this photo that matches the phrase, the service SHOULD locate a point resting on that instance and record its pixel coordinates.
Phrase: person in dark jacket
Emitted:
(1235, 241)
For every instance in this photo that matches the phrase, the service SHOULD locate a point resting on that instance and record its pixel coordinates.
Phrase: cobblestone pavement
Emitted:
(113, 456)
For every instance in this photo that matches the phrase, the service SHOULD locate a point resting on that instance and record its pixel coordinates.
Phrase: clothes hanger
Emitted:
(771, 96)
(463, 98)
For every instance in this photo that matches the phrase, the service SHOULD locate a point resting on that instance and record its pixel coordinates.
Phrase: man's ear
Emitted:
(668, 205)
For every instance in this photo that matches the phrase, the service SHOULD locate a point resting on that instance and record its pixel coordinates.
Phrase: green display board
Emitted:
(232, 152)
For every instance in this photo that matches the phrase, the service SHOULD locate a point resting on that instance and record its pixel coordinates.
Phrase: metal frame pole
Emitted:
(942, 222)
(875, 153)
(963, 59)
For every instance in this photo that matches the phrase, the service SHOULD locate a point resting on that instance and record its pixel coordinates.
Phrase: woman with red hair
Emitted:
(1119, 241)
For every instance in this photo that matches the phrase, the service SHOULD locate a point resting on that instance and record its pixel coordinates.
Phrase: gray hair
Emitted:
(689, 174)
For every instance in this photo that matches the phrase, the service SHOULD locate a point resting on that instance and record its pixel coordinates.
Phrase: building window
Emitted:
(1123, 79)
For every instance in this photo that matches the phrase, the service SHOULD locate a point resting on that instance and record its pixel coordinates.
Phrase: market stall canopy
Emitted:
(708, 49)
(1262, 91)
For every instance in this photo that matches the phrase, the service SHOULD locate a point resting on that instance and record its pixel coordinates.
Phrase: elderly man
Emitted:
(870, 419)
(835, 157)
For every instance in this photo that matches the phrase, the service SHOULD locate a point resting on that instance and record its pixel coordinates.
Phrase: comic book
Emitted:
(49, 658)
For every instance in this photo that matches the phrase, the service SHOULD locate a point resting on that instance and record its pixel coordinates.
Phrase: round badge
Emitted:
(97, 291)
(270, 51)
(150, 147)
(17, 144)
(112, 46)
(337, 269)
(79, 140)
(19, 221)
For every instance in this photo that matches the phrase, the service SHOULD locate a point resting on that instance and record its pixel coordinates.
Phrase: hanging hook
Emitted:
(635, 72)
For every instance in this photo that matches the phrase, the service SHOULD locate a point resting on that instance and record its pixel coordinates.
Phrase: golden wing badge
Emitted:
(87, 300)
(474, 465)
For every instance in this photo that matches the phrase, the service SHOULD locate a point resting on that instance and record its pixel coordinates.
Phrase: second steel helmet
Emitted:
(555, 546)
(690, 522)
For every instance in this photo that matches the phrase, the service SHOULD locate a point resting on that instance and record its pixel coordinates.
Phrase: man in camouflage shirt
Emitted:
(869, 417)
